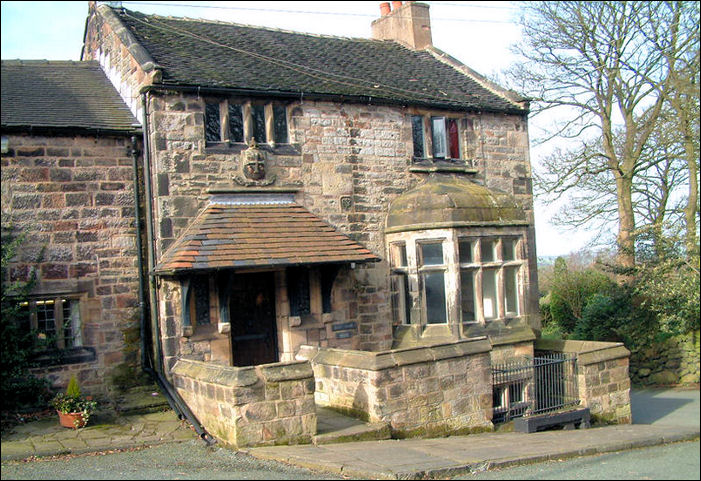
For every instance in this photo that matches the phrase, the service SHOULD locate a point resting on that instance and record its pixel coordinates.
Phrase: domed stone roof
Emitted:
(450, 202)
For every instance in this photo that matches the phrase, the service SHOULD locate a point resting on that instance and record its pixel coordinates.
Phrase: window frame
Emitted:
(58, 319)
(424, 270)
(275, 126)
(425, 128)
(400, 294)
(499, 266)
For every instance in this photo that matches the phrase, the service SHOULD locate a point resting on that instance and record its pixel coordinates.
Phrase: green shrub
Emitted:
(19, 388)
(572, 290)
(73, 389)
(603, 317)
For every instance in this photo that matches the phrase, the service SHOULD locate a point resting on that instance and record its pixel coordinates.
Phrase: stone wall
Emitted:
(602, 377)
(74, 198)
(672, 361)
(425, 391)
(265, 405)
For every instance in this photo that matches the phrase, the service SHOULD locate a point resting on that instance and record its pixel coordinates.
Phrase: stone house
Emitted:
(68, 146)
(326, 221)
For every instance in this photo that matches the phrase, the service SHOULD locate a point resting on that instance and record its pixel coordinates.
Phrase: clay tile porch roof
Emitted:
(245, 231)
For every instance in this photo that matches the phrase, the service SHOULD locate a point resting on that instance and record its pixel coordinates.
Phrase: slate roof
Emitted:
(61, 94)
(253, 233)
(226, 55)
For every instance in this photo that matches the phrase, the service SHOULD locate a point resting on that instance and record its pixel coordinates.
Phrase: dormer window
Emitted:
(235, 122)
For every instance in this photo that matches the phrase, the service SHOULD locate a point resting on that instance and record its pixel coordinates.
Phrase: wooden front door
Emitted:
(252, 313)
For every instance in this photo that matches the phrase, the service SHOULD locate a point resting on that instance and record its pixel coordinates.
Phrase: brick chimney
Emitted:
(407, 23)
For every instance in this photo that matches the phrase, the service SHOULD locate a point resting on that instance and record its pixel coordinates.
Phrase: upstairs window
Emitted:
(237, 122)
(444, 137)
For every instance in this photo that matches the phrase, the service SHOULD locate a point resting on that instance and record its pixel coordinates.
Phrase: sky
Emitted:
(477, 33)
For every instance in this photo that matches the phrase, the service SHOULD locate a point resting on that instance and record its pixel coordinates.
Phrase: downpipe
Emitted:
(147, 362)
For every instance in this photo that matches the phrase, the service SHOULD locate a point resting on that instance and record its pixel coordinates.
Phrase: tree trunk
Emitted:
(691, 209)
(626, 221)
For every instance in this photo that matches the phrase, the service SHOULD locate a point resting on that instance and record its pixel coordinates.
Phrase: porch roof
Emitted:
(245, 231)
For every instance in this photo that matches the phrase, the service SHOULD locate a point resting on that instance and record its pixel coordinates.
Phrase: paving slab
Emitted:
(417, 458)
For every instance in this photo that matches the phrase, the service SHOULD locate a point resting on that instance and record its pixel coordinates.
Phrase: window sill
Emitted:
(238, 147)
(440, 165)
(74, 355)
(306, 321)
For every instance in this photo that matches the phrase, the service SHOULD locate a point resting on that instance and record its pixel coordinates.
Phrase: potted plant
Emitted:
(74, 410)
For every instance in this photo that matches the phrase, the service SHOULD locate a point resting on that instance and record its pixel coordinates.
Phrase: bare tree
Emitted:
(596, 61)
(675, 35)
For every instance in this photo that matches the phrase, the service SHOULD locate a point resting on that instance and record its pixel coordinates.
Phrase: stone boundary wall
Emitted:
(424, 391)
(672, 361)
(262, 405)
(602, 376)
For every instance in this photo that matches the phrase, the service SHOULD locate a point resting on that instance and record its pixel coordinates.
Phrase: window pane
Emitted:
(440, 149)
(509, 249)
(401, 301)
(67, 323)
(453, 139)
(235, 123)
(258, 120)
(511, 289)
(489, 293)
(434, 286)
(77, 339)
(298, 291)
(487, 250)
(467, 290)
(280, 124)
(465, 251)
(201, 299)
(399, 255)
(212, 131)
(46, 320)
(432, 254)
(417, 134)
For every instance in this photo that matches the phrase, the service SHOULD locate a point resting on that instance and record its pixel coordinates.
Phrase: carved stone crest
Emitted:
(253, 164)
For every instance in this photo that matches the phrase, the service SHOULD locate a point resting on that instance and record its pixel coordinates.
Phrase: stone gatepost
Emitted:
(262, 405)
(602, 376)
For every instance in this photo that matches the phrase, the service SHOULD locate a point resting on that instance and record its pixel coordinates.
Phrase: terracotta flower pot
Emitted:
(71, 420)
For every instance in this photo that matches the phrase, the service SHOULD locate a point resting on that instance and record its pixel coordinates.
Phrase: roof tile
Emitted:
(285, 234)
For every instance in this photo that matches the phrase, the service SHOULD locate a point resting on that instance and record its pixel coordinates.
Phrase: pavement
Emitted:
(659, 417)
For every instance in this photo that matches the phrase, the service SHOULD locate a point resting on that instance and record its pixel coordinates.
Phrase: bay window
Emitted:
(478, 283)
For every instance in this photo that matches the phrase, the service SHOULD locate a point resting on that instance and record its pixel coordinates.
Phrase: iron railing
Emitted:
(541, 384)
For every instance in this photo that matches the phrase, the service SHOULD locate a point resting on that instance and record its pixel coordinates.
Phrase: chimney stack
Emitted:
(408, 23)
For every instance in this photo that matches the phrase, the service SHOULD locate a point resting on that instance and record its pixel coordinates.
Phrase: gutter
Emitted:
(147, 362)
(366, 99)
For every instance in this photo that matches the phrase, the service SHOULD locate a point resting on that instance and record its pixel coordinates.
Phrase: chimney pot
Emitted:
(396, 5)
(384, 8)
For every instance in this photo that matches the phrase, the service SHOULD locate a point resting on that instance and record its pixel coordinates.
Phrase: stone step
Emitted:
(141, 400)
(334, 427)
